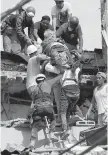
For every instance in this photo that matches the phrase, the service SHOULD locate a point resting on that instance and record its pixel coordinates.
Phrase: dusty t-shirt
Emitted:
(101, 98)
(70, 37)
(61, 14)
(40, 30)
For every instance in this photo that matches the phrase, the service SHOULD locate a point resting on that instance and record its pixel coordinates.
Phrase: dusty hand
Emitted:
(29, 42)
(87, 115)
(39, 41)
(80, 51)
(42, 57)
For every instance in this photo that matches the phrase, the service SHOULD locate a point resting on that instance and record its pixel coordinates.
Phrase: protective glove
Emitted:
(39, 41)
(29, 41)
(80, 51)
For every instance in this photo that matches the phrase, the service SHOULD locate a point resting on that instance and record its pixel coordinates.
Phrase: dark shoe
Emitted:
(53, 137)
(65, 135)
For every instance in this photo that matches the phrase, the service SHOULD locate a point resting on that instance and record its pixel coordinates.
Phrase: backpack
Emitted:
(70, 85)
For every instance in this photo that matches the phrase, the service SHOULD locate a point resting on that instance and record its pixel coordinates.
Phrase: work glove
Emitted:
(39, 41)
(80, 51)
(29, 41)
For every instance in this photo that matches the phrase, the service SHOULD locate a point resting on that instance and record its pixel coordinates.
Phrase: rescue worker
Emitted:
(22, 21)
(40, 93)
(71, 33)
(60, 13)
(32, 52)
(100, 99)
(41, 26)
(9, 35)
(52, 48)
(66, 93)
(14, 38)
(19, 10)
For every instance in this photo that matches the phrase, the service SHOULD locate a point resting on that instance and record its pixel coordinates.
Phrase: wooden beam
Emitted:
(105, 37)
(16, 7)
(104, 28)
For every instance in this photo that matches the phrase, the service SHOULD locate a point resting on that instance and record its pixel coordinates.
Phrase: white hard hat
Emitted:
(30, 11)
(40, 77)
(31, 49)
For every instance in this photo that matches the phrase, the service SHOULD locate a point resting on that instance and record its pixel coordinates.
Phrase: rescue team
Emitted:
(55, 53)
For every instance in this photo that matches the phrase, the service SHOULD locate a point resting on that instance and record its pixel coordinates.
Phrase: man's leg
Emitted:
(56, 91)
(63, 108)
(100, 119)
(16, 47)
(7, 45)
(49, 112)
(34, 136)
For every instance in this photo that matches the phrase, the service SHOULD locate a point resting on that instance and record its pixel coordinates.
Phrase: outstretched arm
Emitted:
(34, 65)
(54, 18)
(20, 33)
(80, 36)
(60, 31)
(54, 22)
(40, 57)
(90, 108)
(54, 80)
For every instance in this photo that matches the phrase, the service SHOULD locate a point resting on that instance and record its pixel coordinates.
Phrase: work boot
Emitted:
(65, 135)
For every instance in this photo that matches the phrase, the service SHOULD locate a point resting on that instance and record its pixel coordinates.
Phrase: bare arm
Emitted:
(81, 42)
(91, 106)
(54, 22)
(54, 80)
(42, 57)
(59, 32)
(36, 34)
(20, 34)
(69, 10)
(36, 64)
(80, 36)
(31, 30)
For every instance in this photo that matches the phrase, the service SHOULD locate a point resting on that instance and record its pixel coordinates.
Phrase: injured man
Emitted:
(69, 64)
(40, 93)
(68, 94)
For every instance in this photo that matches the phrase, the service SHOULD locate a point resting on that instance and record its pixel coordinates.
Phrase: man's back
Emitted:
(44, 87)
